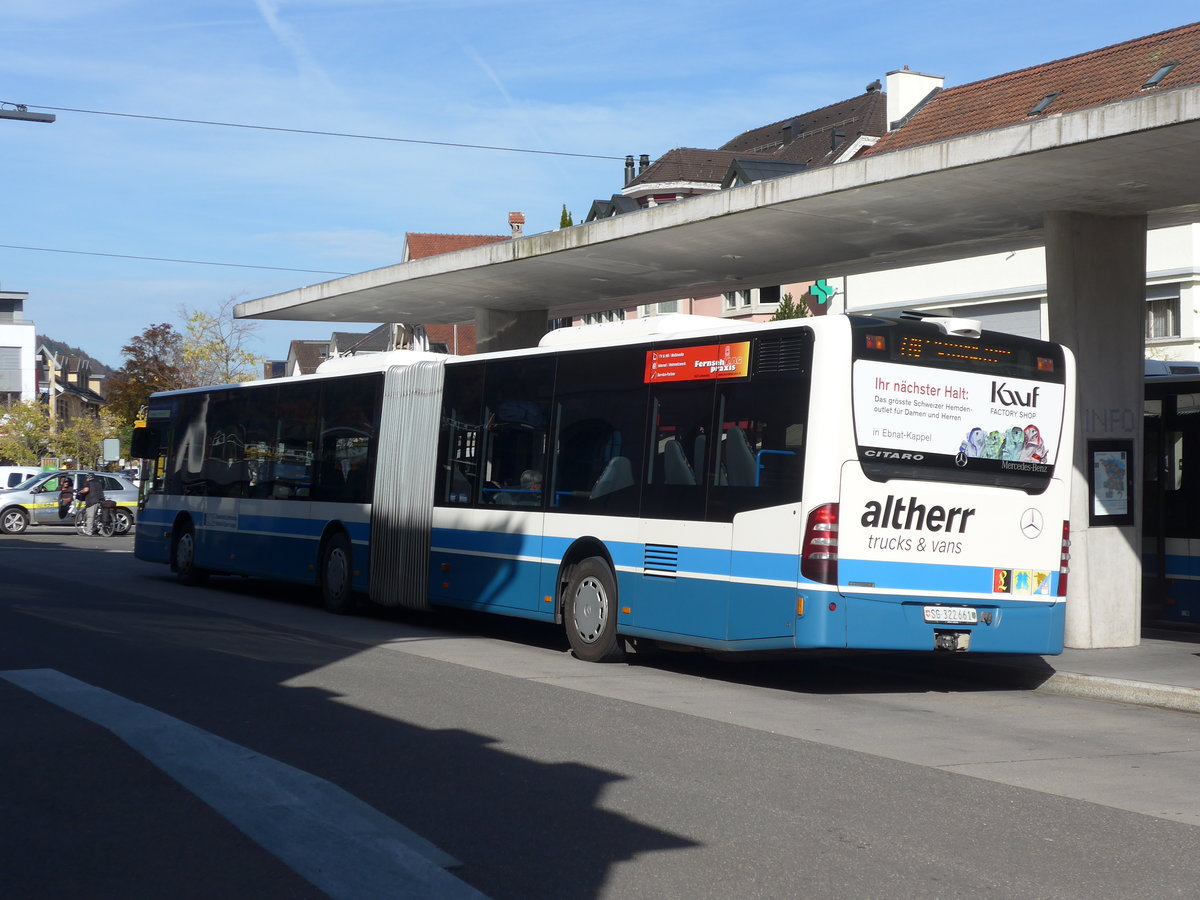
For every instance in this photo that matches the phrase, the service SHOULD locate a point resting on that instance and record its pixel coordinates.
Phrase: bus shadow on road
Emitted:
(822, 672)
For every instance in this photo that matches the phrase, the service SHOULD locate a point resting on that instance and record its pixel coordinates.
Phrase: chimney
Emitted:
(628, 169)
(907, 92)
(788, 136)
(643, 162)
(516, 221)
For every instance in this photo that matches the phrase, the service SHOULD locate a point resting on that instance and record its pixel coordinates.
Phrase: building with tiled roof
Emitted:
(820, 137)
(418, 245)
(1157, 62)
(1007, 291)
(304, 357)
(68, 387)
(457, 338)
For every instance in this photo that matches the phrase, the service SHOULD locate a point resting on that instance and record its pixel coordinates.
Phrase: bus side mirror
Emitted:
(144, 443)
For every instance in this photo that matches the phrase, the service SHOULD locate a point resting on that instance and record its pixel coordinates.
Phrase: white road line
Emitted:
(329, 837)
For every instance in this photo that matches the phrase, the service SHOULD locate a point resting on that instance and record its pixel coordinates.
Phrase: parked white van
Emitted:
(11, 476)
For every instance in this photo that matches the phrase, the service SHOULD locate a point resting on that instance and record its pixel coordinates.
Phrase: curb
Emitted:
(1142, 693)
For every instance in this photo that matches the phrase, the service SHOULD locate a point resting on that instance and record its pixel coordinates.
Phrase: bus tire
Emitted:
(590, 612)
(183, 557)
(14, 520)
(336, 575)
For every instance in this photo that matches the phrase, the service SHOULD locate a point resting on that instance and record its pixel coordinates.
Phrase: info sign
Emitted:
(698, 363)
(964, 419)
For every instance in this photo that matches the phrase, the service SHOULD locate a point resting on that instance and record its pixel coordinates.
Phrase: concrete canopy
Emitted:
(982, 193)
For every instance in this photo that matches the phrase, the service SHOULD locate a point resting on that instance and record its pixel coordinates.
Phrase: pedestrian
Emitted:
(93, 495)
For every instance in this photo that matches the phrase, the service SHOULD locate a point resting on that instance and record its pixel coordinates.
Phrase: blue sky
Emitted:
(600, 78)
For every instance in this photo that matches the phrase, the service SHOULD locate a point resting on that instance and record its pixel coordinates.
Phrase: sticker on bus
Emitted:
(956, 419)
(705, 363)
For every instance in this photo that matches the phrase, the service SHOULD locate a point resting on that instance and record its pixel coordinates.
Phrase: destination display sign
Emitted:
(705, 363)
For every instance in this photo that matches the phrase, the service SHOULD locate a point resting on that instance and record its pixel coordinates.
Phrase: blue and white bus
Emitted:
(846, 481)
(1171, 495)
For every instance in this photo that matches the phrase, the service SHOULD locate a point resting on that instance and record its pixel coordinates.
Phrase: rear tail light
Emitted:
(819, 555)
(1063, 559)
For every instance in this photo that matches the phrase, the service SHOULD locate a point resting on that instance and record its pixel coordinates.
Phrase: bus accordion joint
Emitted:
(1064, 557)
(819, 553)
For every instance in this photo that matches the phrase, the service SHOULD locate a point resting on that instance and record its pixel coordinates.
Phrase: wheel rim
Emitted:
(590, 609)
(184, 553)
(14, 522)
(335, 572)
(122, 523)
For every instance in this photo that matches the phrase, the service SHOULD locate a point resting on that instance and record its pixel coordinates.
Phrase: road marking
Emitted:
(345, 847)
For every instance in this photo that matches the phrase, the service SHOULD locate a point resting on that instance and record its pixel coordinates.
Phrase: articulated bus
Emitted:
(837, 482)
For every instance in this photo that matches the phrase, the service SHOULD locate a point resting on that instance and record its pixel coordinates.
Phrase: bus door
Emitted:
(755, 484)
(685, 559)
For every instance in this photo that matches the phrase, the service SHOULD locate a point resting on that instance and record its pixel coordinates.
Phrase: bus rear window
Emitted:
(942, 407)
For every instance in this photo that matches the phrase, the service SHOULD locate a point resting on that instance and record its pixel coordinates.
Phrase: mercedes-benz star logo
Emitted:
(1031, 523)
(960, 460)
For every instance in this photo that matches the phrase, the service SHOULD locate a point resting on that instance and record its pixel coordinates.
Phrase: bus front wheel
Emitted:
(336, 575)
(590, 613)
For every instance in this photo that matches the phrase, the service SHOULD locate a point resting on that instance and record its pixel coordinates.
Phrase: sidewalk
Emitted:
(1162, 671)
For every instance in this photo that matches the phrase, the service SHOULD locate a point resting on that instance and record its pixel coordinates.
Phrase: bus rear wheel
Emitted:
(590, 612)
(336, 575)
(183, 558)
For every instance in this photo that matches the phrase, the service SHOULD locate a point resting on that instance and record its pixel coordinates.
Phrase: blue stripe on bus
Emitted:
(924, 577)
(279, 547)
(516, 575)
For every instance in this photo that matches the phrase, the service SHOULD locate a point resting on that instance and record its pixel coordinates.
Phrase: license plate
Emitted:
(955, 615)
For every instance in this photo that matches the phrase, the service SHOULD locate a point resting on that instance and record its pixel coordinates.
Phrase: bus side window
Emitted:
(517, 413)
(460, 435)
(760, 460)
(347, 439)
(598, 431)
(680, 419)
(292, 457)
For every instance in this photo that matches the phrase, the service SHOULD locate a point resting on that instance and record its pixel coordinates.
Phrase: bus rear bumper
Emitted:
(949, 624)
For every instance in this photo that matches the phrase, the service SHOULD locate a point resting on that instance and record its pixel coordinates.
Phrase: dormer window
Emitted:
(1163, 72)
(1040, 106)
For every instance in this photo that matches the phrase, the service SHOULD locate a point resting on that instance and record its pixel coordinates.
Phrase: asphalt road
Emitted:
(236, 740)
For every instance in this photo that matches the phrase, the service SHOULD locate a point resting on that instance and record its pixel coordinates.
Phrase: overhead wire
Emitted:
(194, 262)
(341, 134)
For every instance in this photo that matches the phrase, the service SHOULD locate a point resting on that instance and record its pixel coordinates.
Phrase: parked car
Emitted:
(35, 502)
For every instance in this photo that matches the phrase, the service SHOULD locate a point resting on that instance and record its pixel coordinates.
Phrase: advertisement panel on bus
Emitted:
(937, 530)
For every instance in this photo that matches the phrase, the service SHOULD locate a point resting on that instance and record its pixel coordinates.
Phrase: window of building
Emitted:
(658, 309)
(1162, 311)
(751, 300)
(603, 317)
(10, 375)
(736, 300)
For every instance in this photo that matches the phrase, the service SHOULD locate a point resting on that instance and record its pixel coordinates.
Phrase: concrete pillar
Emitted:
(498, 329)
(1096, 289)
